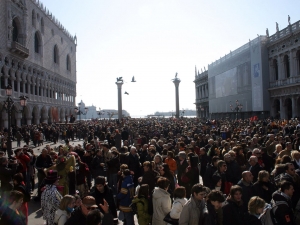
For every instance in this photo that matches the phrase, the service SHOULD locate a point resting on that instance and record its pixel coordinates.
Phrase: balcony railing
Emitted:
(287, 81)
(19, 49)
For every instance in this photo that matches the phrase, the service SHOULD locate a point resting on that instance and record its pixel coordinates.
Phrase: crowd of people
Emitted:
(162, 170)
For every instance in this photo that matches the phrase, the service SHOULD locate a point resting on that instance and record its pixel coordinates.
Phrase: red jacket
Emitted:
(24, 159)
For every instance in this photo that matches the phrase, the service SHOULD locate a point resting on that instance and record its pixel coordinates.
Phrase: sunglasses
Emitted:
(91, 208)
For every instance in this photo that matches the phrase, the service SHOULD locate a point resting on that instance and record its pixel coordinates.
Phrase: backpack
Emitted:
(133, 207)
(268, 216)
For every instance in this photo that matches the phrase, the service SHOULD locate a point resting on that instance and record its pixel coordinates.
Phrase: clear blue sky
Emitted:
(152, 40)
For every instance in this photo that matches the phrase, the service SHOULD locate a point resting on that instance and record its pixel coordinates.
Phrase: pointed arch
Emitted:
(56, 55)
(38, 42)
(68, 63)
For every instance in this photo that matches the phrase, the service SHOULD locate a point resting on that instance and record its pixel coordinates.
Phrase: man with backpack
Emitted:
(282, 204)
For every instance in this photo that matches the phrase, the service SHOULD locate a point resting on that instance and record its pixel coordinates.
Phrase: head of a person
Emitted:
(287, 188)
(164, 169)
(198, 192)
(15, 199)
(253, 160)
(157, 159)
(147, 166)
(18, 178)
(100, 183)
(278, 148)
(236, 193)
(179, 192)
(67, 203)
(44, 152)
(285, 159)
(227, 157)
(94, 217)
(163, 183)
(181, 155)
(144, 191)
(290, 169)
(295, 155)
(88, 204)
(214, 160)
(289, 146)
(256, 205)
(170, 154)
(216, 198)
(52, 178)
(133, 150)
(222, 167)
(256, 152)
(247, 176)
(263, 176)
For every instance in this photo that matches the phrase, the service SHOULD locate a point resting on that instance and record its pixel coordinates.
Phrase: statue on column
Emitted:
(277, 27)
(289, 19)
(267, 32)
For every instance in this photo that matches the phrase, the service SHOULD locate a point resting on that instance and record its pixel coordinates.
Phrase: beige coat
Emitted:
(161, 206)
(191, 212)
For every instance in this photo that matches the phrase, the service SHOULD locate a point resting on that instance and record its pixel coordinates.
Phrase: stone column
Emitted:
(18, 117)
(119, 85)
(29, 120)
(294, 106)
(176, 82)
(280, 68)
(292, 69)
(282, 108)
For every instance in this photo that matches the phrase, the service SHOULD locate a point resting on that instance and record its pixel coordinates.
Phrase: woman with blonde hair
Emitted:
(66, 207)
(256, 207)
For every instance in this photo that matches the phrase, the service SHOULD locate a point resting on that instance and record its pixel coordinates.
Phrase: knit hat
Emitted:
(182, 154)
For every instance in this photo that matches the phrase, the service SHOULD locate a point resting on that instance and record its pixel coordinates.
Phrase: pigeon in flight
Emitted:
(133, 80)
(126, 93)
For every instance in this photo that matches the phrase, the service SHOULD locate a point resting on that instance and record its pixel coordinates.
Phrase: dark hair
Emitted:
(144, 191)
(100, 180)
(285, 159)
(126, 172)
(215, 159)
(93, 217)
(179, 192)
(235, 189)
(287, 165)
(148, 164)
(285, 185)
(171, 154)
(197, 188)
(163, 182)
(166, 168)
(215, 196)
(15, 196)
(18, 177)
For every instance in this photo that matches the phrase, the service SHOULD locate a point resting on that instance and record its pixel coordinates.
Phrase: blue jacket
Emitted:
(126, 193)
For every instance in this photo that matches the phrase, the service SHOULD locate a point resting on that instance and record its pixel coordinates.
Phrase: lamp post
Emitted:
(8, 106)
(238, 107)
(79, 112)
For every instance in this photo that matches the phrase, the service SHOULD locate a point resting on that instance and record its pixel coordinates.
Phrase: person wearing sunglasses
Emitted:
(291, 176)
(79, 215)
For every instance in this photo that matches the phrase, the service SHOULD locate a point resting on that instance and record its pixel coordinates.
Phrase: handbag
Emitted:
(170, 220)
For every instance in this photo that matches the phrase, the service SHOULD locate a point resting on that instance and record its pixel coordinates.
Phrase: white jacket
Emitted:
(61, 217)
(177, 207)
(161, 206)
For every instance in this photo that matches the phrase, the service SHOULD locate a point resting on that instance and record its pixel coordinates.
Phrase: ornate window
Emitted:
(55, 55)
(15, 36)
(68, 63)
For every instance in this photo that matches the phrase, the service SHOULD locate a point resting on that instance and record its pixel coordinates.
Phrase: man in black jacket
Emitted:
(101, 191)
(284, 213)
(134, 164)
(79, 215)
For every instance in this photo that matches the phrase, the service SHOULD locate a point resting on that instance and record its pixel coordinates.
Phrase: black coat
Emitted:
(233, 173)
(255, 170)
(108, 196)
(284, 213)
(247, 191)
(258, 190)
(181, 170)
(207, 178)
(42, 162)
(233, 213)
(6, 174)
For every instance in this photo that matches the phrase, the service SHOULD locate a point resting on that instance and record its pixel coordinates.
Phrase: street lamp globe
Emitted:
(8, 90)
(76, 109)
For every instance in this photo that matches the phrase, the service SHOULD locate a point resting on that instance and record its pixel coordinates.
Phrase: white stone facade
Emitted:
(284, 72)
(201, 89)
(38, 59)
